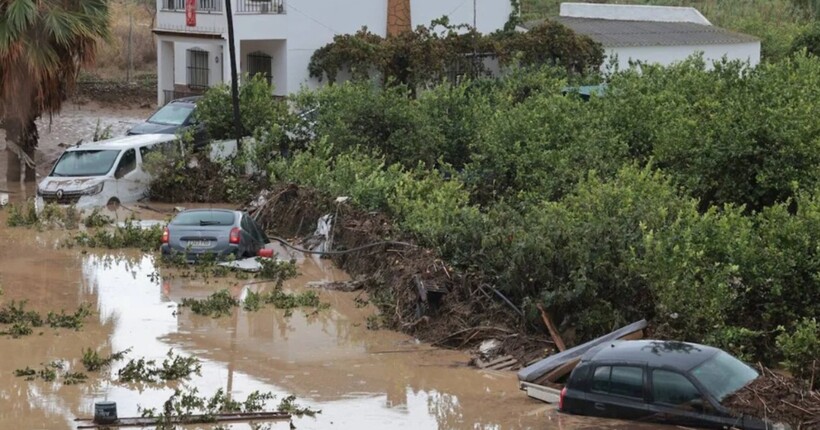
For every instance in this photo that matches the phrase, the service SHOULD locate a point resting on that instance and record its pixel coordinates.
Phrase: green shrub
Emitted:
(801, 349)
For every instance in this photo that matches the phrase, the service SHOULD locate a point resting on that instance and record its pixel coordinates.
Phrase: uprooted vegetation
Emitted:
(54, 216)
(174, 367)
(130, 234)
(187, 406)
(93, 361)
(49, 372)
(22, 322)
(780, 398)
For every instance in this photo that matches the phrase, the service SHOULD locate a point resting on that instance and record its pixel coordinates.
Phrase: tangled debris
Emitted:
(415, 291)
(778, 398)
(174, 367)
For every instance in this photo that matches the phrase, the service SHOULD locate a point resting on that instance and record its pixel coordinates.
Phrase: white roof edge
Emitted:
(628, 12)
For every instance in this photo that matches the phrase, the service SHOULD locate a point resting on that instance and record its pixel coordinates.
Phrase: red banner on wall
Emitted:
(190, 13)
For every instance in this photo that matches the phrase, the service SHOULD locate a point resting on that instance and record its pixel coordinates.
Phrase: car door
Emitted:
(618, 391)
(131, 180)
(675, 399)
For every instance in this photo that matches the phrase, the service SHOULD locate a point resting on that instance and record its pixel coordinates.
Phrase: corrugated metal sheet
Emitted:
(615, 33)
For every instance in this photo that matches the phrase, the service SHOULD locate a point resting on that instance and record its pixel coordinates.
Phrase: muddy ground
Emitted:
(330, 360)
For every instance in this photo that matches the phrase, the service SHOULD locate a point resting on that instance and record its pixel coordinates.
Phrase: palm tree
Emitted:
(43, 45)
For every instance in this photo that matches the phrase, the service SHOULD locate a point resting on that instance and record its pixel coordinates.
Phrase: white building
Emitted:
(278, 37)
(656, 34)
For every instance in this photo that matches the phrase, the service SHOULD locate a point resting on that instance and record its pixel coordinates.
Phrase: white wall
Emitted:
(666, 55)
(307, 25)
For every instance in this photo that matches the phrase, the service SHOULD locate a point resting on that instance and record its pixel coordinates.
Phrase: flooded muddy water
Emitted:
(358, 378)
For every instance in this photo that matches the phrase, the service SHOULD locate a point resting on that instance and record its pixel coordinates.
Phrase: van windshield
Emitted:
(85, 163)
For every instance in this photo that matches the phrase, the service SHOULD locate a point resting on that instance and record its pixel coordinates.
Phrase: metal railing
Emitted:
(260, 6)
(204, 6)
(171, 95)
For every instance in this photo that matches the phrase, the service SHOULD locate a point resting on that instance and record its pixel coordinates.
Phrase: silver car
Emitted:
(217, 232)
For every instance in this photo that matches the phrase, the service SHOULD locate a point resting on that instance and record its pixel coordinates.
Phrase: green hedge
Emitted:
(684, 195)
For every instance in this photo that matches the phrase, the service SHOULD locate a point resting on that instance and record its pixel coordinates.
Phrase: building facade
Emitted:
(656, 34)
(278, 37)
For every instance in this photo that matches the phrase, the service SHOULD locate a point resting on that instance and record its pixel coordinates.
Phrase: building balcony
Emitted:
(217, 6)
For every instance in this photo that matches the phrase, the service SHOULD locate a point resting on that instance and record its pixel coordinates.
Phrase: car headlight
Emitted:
(96, 189)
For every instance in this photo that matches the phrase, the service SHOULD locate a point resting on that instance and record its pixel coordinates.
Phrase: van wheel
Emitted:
(113, 204)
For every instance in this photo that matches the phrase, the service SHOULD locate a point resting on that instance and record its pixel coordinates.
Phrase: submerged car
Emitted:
(175, 117)
(104, 173)
(220, 233)
(660, 381)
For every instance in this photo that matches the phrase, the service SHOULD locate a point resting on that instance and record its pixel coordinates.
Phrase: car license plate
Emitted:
(199, 243)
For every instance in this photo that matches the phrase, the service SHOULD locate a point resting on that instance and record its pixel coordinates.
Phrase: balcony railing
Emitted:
(260, 6)
(204, 6)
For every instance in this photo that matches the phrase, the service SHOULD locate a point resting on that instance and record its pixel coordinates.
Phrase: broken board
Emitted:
(535, 371)
(541, 392)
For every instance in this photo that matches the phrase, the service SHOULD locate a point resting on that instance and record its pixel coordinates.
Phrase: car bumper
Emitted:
(194, 255)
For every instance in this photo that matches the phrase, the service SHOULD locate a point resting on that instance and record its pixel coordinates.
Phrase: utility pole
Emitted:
(474, 15)
(237, 123)
(130, 43)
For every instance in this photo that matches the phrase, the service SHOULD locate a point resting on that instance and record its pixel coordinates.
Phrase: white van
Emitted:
(104, 173)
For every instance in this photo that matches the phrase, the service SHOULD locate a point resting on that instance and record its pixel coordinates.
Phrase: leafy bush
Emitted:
(258, 109)
(809, 40)
(801, 349)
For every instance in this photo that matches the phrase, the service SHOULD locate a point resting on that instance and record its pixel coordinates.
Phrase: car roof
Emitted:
(659, 353)
(125, 142)
(189, 100)
(209, 210)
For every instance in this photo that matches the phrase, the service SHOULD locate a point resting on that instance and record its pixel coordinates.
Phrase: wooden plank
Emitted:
(556, 337)
(535, 371)
(540, 392)
(484, 365)
(88, 423)
(560, 371)
(503, 365)
(420, 288)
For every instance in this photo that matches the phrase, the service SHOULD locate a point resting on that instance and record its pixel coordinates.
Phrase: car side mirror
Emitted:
(698, 405)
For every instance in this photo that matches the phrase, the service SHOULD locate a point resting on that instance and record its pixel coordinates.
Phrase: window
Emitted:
(202, 218)
(128, 163)
(600, 379)
(198, 68)
(618, 380)
(723, 374)
(260, 63)
(672, 388)
(172, 114)
(85, 163)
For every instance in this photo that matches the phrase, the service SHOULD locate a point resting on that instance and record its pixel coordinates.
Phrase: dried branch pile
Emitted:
(778, 398)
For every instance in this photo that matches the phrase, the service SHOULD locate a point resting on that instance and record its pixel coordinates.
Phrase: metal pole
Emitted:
(474, 14)
(237, 123)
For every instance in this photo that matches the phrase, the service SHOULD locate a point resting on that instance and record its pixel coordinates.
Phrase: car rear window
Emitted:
(618, 380)
(204, 218)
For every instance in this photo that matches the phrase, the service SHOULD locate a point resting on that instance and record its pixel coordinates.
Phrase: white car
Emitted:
(104, 173)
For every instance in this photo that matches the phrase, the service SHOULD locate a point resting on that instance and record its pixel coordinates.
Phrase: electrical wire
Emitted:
(346, 251)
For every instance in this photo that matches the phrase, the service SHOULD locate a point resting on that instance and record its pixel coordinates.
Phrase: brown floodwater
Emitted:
(358, 378)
